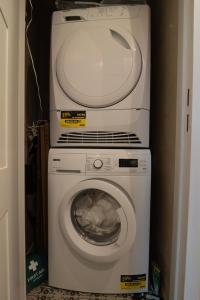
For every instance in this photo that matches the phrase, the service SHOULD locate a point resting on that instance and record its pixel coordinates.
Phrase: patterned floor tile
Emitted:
(45, 292)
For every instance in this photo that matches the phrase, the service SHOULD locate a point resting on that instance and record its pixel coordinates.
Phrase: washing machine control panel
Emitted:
(107, 163)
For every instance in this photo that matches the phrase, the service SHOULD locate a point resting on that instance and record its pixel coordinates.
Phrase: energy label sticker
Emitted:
(73, 118)
(133, 282)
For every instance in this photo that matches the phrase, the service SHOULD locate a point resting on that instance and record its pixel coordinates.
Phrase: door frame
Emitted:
(192, 263)
(183, 136)
(21, 150)
(186, 238)
(185, 270)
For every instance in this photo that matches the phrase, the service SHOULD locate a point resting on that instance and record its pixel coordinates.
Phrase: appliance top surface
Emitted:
(99, 13)
(99, 151)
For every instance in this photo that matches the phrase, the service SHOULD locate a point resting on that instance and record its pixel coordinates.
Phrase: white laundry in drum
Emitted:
(100, 77)
(97, 214)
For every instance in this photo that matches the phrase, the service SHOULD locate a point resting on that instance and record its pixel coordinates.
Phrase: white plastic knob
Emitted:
(98, 164)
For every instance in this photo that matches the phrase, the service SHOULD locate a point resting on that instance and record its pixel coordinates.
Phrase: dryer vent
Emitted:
(99, 137)
(70, 4)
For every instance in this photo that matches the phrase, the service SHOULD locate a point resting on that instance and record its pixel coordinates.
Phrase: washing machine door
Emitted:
(98, 220)
(98, 66)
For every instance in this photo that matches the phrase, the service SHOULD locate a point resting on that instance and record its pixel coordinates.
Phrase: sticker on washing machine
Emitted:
(73, 118)
(133, 282)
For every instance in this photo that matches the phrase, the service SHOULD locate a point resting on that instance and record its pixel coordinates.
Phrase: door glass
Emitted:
(95, 217)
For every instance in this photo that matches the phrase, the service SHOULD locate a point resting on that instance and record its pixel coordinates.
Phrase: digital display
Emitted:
(128, 163)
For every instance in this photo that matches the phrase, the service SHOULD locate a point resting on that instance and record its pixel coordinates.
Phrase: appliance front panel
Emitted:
(90, 217)
(67, 267)
(101, 128)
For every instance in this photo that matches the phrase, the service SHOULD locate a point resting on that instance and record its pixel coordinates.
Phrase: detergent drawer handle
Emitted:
(68, 171)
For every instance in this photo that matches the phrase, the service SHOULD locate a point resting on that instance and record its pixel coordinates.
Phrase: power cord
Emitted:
(31, 56)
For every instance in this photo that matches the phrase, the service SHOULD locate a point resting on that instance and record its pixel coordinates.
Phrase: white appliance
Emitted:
(99, 214)
(100, 77)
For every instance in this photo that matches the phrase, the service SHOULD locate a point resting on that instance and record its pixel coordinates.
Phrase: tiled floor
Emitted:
(44, 292)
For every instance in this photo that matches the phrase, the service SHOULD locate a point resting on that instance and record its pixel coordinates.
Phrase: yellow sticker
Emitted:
(73, 118)
(133, 282)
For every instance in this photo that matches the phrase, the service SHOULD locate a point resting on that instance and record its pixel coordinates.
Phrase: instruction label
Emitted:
(133, 282)
(73, 118)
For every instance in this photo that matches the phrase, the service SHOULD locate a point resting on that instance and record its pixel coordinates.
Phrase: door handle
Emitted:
(120, 39)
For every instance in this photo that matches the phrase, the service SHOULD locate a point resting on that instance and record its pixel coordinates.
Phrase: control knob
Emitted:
(98, 164)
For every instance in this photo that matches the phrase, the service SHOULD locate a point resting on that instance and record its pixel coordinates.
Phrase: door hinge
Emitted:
(188, 111)
(188, 98)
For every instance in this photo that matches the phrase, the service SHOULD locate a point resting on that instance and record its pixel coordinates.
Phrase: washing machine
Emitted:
(100, 77)
(99, 215)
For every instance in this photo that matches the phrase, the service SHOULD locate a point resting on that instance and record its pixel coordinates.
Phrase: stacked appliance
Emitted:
(99, 183)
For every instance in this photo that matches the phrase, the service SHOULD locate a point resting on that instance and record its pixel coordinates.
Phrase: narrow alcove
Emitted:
(163, 113)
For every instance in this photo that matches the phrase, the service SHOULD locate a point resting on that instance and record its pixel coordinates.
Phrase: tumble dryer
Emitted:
(99, 215)
(100, 77)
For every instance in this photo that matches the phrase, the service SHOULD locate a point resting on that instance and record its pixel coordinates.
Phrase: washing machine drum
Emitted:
(94, 214)
(99, 66)
(98, 220)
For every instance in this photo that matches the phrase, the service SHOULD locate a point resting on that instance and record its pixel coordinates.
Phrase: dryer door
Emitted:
(98, 220)
(99, 66)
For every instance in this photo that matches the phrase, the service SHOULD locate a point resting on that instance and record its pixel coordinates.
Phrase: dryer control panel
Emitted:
(100, 13)
(113, 12)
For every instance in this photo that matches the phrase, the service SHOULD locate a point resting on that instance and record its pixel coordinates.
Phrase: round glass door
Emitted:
(99, 66)
(97, 218)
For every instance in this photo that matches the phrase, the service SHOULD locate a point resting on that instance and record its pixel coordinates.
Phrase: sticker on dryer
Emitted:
(73, 118)
(133, 282)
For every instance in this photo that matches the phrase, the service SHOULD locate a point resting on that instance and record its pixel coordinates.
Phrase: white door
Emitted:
(95, 218)
(10, 280)
(98, 66)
